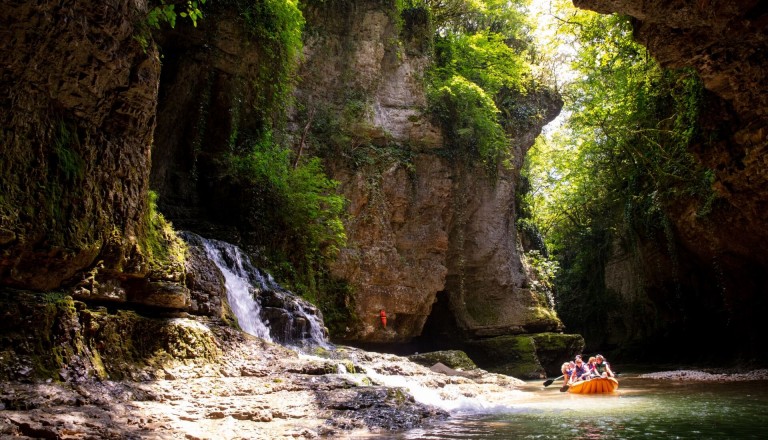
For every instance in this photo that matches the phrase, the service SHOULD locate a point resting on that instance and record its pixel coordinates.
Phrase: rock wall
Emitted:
(426, 224)
(398, 223)
(488, 285)
(77, 104)
(724, 260)
(206, 95)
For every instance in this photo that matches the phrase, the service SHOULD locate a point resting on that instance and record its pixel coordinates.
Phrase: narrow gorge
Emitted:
(317, 155)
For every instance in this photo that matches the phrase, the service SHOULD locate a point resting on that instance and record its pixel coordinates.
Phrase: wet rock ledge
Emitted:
(71, 372)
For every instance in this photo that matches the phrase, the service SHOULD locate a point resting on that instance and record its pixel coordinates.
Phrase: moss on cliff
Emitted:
(128, 342)
(51, 336)
(166, 253)
(525, 356)
(43, 193)
(37, 335)
(451, 358)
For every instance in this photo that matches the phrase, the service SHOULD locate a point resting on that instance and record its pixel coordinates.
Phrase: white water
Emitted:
(238, 273)
(450, 400)
(244, 283)
(314, 334)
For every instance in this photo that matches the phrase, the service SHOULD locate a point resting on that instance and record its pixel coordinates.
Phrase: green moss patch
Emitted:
(555, 348)
(513, 355)
(51, 336)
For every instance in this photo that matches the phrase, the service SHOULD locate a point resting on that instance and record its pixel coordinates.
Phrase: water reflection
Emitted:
(643, 408)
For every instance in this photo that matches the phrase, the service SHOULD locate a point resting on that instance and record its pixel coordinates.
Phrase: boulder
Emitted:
(513, 355)
(531, 356)
(451, 358)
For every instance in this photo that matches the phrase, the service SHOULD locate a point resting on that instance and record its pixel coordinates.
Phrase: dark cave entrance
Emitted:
(441, 331)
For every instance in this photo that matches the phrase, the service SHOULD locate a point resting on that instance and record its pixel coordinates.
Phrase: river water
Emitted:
(641, 409)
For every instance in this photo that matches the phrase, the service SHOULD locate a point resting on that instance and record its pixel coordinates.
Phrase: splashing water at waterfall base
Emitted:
(262, 307)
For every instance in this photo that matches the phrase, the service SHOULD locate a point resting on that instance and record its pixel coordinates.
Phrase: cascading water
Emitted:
(262, 307)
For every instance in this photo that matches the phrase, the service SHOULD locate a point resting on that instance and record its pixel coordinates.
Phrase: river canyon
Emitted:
(125, 228)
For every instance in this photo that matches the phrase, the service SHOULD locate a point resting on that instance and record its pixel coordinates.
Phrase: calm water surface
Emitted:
(642, 408)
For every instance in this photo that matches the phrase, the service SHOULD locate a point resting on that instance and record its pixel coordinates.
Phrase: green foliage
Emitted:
(608, 176)
(626, 143)
(348, 134)
(308, 227)
(544, 273)
(193, 12)
(479, 51)
(166, 13)
(315, 208)
(277, 25)
(483, 58)
(469, 16)
(164, 250)
(161, 13)
(469, 118)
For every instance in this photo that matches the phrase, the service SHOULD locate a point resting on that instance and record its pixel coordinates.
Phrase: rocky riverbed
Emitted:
(707, 376)
(254, 389)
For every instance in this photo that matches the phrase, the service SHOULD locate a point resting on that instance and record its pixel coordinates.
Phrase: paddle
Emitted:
(548, 382)
(565, 387)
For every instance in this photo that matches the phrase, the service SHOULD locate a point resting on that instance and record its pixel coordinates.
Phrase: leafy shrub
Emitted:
(307, 228)
(469, 118)
(278, 25)
(166, 13)
(479, 51)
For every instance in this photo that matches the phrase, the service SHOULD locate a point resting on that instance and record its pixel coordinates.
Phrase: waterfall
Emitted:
(262, 307)
(240, 278)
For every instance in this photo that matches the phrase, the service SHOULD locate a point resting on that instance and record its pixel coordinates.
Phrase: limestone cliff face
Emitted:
(489, 284)
(77, 104)
(722, 256)
(426, 228)
(397, 229)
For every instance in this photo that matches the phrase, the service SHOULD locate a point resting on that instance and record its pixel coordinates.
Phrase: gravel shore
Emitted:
(703, 376)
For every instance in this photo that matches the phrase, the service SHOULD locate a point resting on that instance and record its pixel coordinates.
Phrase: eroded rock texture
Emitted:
(77, 104)
(722, 268)
(424, 227)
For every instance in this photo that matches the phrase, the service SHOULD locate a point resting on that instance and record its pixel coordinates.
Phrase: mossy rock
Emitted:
(52, 336)
(553, 349)
(455, 359)
(513, 355)
(128, 342)
(34, 339)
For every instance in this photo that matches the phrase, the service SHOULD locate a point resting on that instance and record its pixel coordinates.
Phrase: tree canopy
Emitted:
(607, 175)
(480, 49)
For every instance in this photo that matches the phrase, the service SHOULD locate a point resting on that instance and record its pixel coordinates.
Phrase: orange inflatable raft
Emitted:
(597, 385)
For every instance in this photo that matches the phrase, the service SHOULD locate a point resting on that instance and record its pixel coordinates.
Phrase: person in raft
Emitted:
(567, 369)
(602, 369)
(580, 372)
(591, 366)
